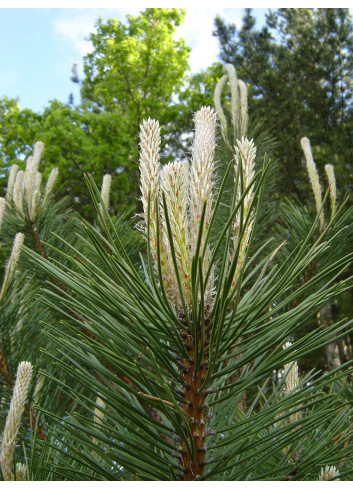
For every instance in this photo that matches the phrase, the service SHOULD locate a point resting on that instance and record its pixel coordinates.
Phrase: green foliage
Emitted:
(132, 359)
(136, 68)
(129, 385)
(27, 323)
(76, 141)
(299, 66)
(115, 400)
(17, 133)
(197, 91)
(134, 71)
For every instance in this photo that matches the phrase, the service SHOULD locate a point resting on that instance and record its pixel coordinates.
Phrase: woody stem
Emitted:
(193, 466)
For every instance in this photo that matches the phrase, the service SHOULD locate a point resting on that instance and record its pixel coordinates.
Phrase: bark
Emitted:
(196, 409)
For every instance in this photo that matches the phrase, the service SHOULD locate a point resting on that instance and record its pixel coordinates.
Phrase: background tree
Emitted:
(18, 130)
(77, 140)
(134, 71)
(299, 66)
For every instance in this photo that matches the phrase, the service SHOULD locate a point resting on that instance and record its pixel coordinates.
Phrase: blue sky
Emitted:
(38, 47)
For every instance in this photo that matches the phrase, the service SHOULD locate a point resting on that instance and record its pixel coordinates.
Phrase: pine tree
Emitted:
(299, 69)
(146, 359)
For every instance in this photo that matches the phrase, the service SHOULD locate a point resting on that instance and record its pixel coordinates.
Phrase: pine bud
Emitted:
(50, 183)
(292, 381)
(98, 413)
(314, 178)
(11, 264)
(186, 192)
(175, 185)
(150, 141)
(238, 105)
(38, 388)
(10, 183)
(201, 183)
(330, 173)
(2, 210)
(149, 170)
(327, 473)
(234, 94)
(32, 180)
(245, 152)
(105, 192)
(34, 196)
(202, 168)
(33, 161)
(243, 107)
(17, 194)
(218, 105)
(21, 470)
(292, 376)
(98, 419)
(13, 420)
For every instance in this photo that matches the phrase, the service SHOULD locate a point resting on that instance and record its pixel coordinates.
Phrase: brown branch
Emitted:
(4, 369)
(196, 409)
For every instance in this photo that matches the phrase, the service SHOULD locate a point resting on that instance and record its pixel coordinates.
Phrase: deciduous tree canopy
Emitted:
(135, 71)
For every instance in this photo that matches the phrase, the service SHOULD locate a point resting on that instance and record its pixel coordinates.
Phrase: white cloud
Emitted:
(197, 31)
(72, 29)
(75, 30)
(75, 26)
